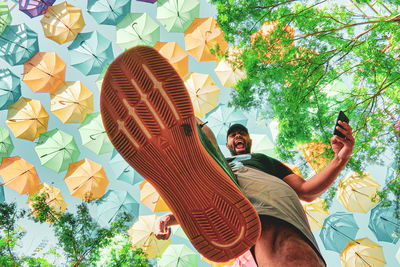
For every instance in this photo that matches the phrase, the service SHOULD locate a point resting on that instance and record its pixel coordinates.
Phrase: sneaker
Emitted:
(148, 116)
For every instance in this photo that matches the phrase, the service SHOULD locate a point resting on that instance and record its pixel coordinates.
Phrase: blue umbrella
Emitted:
(2, 197)
(6, 144)
(18, 44)
(10, 88)
(90, 52)
(384, 224)
(123, 170)
(338, 229)
(34, 8)
(108, 12)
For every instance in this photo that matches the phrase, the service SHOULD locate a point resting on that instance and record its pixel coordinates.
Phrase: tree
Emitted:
(297, 79)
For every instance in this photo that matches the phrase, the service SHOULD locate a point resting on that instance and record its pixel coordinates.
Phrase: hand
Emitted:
(343, 147)
(161, 227)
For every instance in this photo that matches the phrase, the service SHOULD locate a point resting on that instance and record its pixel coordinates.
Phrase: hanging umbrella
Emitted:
(202, 36)
(34, 8)
(18, 43)
(338, 229)
(93, 135)
(19, 175)
(228, 74)
(178, 256)
(221, 118)
(27, 118)
(261, 143)
(177, 15)
(315, 154)
(90, 52)
(114, 203)
(141, 235)
(44, 72)
(203, 92)
(178, 231)
(10, 88)
(99, 80)
(6, 145)
(151, 198)
(2, 196)
(362, 253)
(108, 12)
(86, 180)
(218, 264)
(358, 193)
(5, 17)
(316, 213)
(137, 29)
(62, 22)
(72, 102)
(123, 170)
(383, 223)
(56, 150)
(175, 55)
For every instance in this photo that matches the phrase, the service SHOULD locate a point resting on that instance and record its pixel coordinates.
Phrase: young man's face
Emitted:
(238, 142)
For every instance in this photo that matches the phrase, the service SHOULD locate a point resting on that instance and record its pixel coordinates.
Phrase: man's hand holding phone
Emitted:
(342, 141)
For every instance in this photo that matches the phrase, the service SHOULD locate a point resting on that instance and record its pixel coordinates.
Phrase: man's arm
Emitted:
(313, 188)
(162, 225)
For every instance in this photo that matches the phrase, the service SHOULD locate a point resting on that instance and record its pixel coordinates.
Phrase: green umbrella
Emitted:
(6, 145)
(178, 256)
(56, 150)
(93, 134)
(5, 17)
(99, 80)
(177, 15)
(137, 29)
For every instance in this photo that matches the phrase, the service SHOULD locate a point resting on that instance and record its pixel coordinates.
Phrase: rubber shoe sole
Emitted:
(148, 116)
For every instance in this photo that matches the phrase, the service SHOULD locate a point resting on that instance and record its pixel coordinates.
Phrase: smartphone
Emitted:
(341, 117)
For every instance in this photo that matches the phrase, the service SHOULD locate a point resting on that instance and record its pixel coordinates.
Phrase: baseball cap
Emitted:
(236, 127)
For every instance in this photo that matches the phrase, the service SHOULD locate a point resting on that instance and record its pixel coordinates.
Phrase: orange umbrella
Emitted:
(202, 36)
(150, 197)
(27, 118)
(19, 175)
(86, 179)
(315, 154)
(175, 55)
(44, 72)
(316, 213)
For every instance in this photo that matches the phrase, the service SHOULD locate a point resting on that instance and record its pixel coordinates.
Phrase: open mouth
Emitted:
(239, 144)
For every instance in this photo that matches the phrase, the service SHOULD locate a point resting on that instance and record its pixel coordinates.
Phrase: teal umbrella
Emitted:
(178, 256)
(108, 12)
(177, 15)
(90, 52)
(123, 170)
(2, 197)
(137, 29)
(5, 17)
(6, 145)
(10, 88)
(56, 150)
(383, 223)
(93, 135)
(18, 43)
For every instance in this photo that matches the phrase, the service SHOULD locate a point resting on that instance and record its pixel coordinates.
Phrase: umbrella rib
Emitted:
(55, 15)
(358, 255)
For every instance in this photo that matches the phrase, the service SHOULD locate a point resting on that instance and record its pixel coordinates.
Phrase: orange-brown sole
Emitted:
(148, 116)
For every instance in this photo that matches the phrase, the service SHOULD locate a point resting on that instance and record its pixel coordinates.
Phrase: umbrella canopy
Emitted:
(141, 235)
(2, 196)
(137, 29)
(221, 118)
(99, 80)
(114, 203)
(19, 175)
(72, 102)
(56, 150)
(178, 256)
(90, 52)
(261, 143)
(228, 74)
(177, 15)
(108, 12)
(314, 153)
(175, 55)
(44, 72)
(10, 88)
(203, 36)
(27, 118)
(34, 8)
(148, 1)
(18, 43)
(6, 145)
(5, 17)
(362, 253)
(338, 229)
(203, 93)
(151, 198)
(358, 193)
(123, 170)
(316, 213)
(62, 22)
(93, 135)
(383, 223)
(178, 231)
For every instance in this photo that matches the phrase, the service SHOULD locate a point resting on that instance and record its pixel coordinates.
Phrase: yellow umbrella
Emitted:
(27, 118)
(150, 197)
(53, 196)
(365, 253)
(19, 175)
(62, 22)
(203, 92)
(44, 72)
(218, 264)
(315, 154)
(141, 235)
(86, 179)
(228, 74)
(202, 36)
(316, 213)
(175, 55)
(72, 102)
(358, 193)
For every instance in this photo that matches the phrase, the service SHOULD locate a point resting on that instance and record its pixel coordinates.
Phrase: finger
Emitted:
(345, 125)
